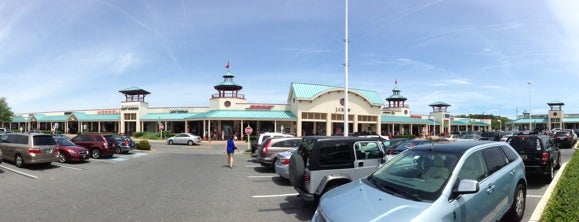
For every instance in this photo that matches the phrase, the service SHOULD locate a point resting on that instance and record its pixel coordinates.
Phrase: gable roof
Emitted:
(307, 91)
(246, 114)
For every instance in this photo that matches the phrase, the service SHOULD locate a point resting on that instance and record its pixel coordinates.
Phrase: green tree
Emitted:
(5, 112)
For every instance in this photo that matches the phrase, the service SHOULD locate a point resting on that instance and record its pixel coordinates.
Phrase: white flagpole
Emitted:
(346, 125)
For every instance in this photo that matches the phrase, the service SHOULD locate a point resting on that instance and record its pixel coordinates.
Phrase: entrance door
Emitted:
(130, 128)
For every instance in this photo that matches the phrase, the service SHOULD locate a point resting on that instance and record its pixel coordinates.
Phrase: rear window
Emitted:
(109, 139)
(561, 133)
(524, 142)
(43, 140)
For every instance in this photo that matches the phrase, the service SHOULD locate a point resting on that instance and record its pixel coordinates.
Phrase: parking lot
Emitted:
(168, 183)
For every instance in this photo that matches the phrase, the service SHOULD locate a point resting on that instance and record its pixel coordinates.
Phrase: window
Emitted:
(511, 155)
(473, 168)
(367, 150)
(494, 158)
(335, 153)
(43, 140)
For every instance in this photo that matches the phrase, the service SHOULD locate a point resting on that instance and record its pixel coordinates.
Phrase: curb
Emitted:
(538, 212)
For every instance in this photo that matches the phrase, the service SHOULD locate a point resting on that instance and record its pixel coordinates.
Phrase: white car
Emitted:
(184, 138)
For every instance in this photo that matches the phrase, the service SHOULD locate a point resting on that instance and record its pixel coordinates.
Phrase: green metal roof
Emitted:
(310, 91)
(467, 123)
(405, 120)
(56, 118)
(167, 116)
(246, 114)
(83, 117)
(526, 121)
(439, 104)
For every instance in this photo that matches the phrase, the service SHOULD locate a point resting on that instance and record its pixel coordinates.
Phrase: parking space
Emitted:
(39, 171)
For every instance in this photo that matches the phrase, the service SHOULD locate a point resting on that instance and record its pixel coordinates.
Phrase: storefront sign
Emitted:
(341, 109)
(108, 111)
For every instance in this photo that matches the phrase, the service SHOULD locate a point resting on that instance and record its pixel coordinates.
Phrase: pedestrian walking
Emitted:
(230, 148)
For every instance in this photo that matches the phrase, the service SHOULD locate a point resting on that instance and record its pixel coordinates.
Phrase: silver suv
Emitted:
(322, 163)
(33, 148)
(267, 152)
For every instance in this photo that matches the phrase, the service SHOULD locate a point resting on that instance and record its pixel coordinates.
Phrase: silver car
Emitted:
(282, 163)
(33, 148)
(267, 152)
(184, 138)
(461, 181)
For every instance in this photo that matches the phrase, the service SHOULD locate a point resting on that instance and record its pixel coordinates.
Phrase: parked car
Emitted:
(282, 163)
(459, 181)
(24, 149)
(322, 163)
(126, 144)
(491, 135)
(262, 137)
(409, 144)
(98, 145)
(184, 138)
(539, 153)
(267, 153)
(70, 152)
(565, 138)
(389, 145)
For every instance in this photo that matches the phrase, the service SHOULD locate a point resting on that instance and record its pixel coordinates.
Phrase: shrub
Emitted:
(144, 145)
(563, 202)
(138, 134)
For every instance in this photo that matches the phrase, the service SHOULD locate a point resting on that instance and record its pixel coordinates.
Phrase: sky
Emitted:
(477, 56)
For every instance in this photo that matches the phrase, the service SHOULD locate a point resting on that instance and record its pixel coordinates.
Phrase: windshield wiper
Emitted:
(394, 191)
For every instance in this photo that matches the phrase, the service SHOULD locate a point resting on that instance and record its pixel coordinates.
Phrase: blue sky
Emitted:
(476, 56)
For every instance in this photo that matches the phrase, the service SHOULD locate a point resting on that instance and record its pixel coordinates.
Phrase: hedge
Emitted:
(562, 205)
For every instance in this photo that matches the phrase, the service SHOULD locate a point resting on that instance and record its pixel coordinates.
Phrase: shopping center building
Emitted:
(311, 109)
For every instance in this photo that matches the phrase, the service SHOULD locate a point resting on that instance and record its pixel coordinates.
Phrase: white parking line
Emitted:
(261, 176)
(534, 196)
(108, 161)
(69, 167)
(20, 172)
(275, 195)
(253, 166)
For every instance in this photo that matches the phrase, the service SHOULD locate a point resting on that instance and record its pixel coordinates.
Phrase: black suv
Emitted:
(539, 153)
(322, 163)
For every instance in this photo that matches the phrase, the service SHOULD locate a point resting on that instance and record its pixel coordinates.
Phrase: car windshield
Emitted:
(416, 174)
(64, 142)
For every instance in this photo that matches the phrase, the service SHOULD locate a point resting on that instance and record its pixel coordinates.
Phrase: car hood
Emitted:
(357, 201)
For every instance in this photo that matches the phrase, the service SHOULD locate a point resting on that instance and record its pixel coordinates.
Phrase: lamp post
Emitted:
(500, 125)
(434, 127)
(530, 83)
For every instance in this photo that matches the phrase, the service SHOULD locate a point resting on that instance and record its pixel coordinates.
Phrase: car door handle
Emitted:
(490, 189)
(513, 172)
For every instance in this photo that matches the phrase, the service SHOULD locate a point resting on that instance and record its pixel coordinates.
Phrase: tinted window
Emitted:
(99, 139)
(335, 153)
(494, 158)
(64, 142)
(524, 142)
(21, 139)
(43, 140)
(511, 155)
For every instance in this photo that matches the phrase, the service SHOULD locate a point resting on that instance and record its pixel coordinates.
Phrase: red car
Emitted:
(70, 152)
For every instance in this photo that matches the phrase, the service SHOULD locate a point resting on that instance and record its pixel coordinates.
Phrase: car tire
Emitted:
(190, 143)
(62, 157)
(19, 161)
(550, 173)
(517, 210)
(95, 153)
(170, 142)
(296, 170)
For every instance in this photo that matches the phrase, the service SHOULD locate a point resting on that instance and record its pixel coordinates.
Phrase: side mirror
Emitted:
(466, 186)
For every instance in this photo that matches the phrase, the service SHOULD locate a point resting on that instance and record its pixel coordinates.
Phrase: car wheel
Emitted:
(517, 209)
(190, 143)
(95, 153)
(62, 157)
(296, 170)
(19, 161)
(170, 142)
(330, 187)
(550, 173)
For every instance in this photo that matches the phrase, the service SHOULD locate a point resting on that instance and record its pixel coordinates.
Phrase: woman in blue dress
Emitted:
(230, 149)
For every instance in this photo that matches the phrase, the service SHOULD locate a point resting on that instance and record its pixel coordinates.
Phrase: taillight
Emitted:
(307, 177)
(285, 161)
(266, 147)
(545, 156)
(126, 142)
(568, 136)
(34, 150)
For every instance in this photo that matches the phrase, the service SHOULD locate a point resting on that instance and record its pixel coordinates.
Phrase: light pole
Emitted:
(500, 125)
(434, 127)
(530, 83)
